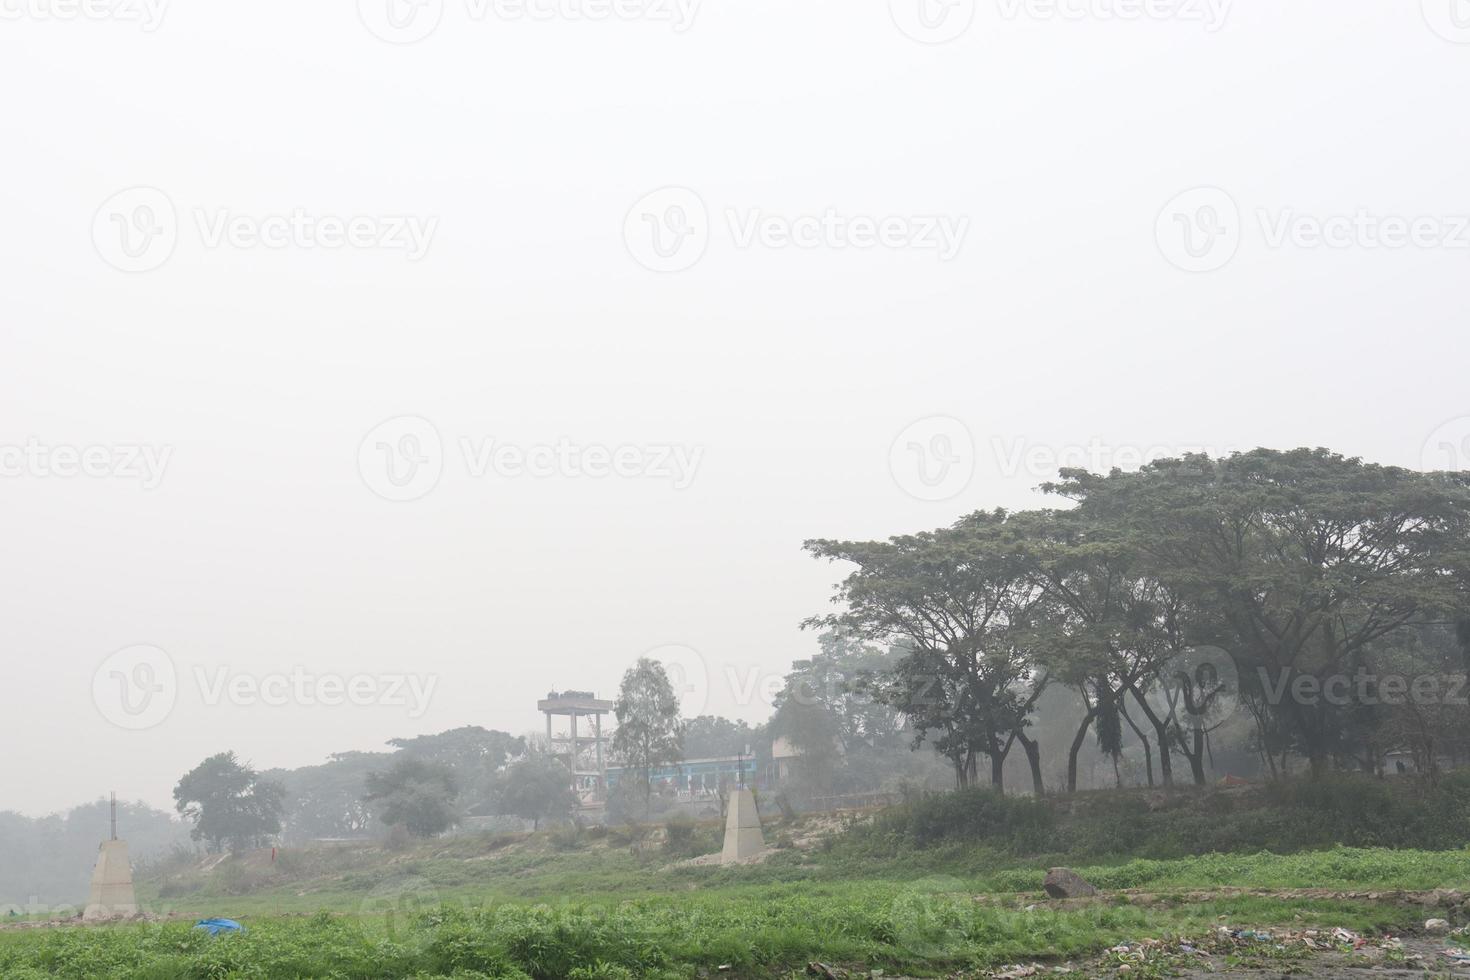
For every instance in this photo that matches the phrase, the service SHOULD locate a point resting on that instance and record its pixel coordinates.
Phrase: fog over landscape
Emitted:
(511, 460)
(1057, 331)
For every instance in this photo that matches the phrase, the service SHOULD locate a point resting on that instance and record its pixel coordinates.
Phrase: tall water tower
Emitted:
(585, 754)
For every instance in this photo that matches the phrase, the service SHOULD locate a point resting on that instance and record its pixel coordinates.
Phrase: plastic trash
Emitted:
(216, 926)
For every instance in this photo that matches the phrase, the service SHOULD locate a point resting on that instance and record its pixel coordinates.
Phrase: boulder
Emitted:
(1436, 927)
(1066, 883)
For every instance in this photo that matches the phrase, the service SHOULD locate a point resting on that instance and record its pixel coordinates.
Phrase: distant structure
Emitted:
(584, 754)
(743, 838)
(111, 896)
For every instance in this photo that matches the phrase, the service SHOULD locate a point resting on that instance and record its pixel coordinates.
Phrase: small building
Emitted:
(695, 778)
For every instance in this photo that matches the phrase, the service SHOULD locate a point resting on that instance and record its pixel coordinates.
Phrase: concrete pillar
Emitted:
(574, 740)
(743, 838)
(111, 895)
(601, 765)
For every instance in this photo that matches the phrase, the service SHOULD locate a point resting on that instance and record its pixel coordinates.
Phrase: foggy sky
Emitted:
(1058, 321)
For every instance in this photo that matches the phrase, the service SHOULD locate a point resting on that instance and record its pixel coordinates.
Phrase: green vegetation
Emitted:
(928, 927)
(939, 885)
(978, 827)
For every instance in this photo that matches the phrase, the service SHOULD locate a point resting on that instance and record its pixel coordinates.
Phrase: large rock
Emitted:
(1066, 883)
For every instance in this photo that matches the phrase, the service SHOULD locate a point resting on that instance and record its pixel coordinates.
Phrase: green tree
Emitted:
(536, 788)
(326, 800)
(960, 600)
(1299, 563)
(472, 753)
(713, 737)
(649, 733)
(229, 803)
(415, 794)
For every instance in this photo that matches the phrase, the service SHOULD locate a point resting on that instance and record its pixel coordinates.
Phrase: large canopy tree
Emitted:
(960, 599)
(229, 803)
(1299, 561)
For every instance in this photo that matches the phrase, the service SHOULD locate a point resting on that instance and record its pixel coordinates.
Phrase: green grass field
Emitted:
(907, 893)
(674, 923)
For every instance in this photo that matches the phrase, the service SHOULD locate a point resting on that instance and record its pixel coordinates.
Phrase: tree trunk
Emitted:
(1161, 735)
(1077, 742)
(1148, 753)
(1033, 758)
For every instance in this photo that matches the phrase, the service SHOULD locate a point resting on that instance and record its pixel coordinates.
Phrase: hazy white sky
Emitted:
(310, 340)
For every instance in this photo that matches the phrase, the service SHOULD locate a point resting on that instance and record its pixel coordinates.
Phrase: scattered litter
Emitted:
(825, 972)
(216, 926)
(1457, 956)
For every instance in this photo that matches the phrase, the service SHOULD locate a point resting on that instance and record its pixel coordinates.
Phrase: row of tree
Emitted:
(1165, 600)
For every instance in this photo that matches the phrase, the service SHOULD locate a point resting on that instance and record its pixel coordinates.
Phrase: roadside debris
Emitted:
(1145, 956)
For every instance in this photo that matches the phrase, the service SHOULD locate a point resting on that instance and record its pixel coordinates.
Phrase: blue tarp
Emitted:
(216, 926)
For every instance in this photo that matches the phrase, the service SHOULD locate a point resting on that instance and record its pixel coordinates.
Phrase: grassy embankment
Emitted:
(939, 885)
